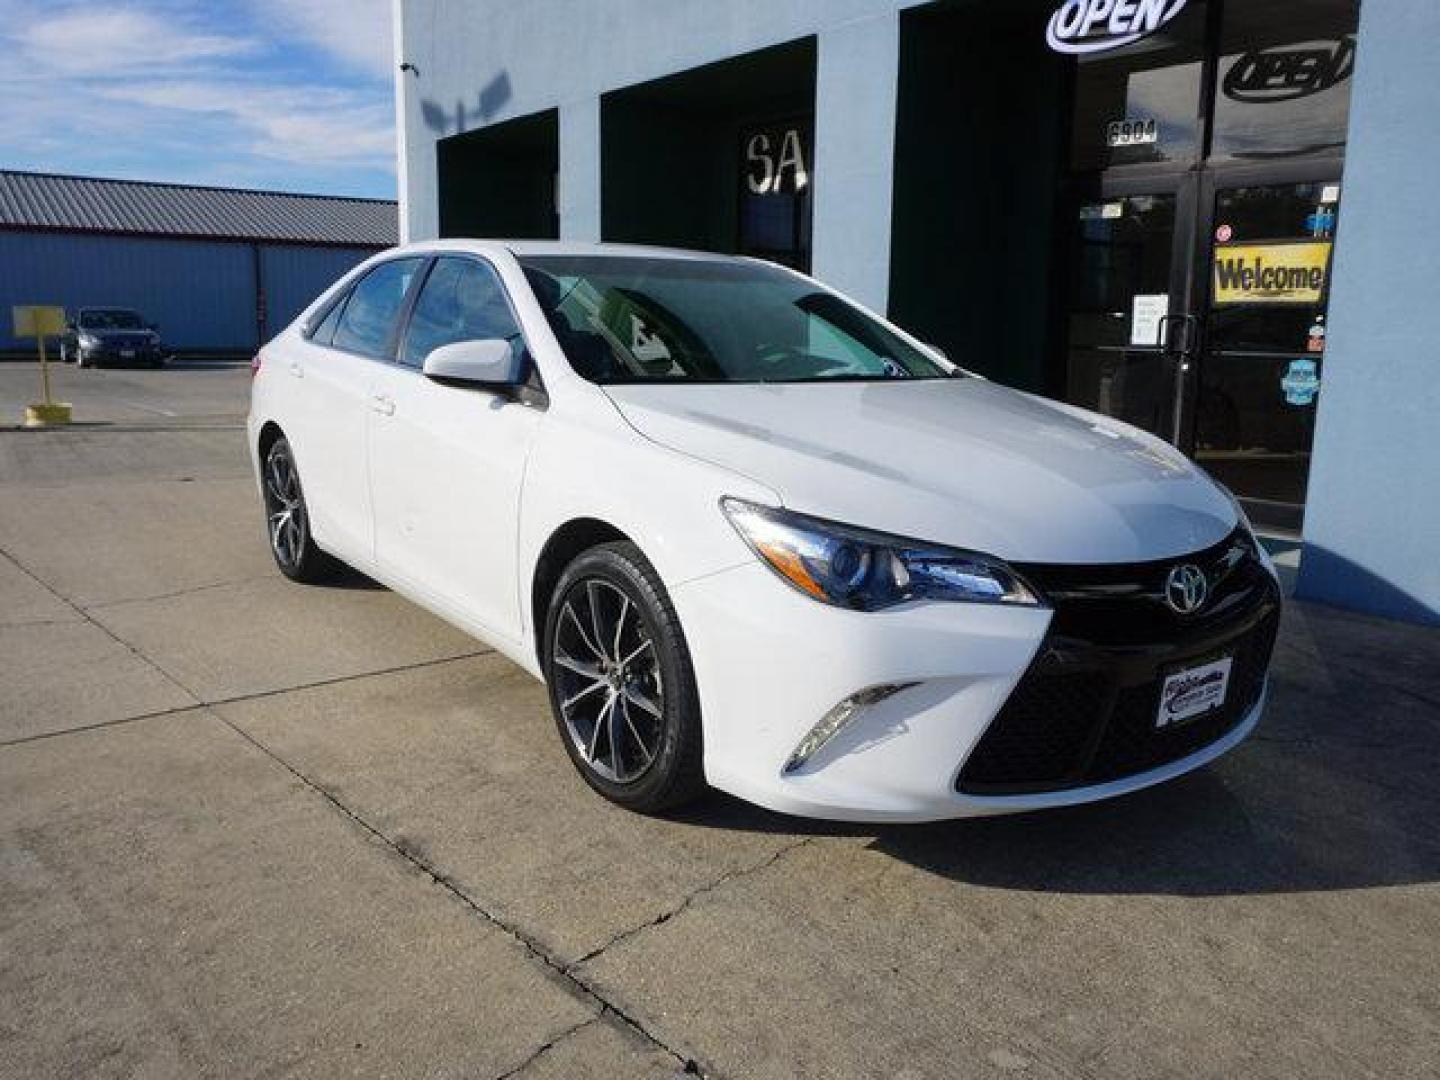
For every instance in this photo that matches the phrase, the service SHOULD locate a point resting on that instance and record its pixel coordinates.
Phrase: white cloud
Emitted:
(303, 124)
(198, 92)
(357, 32)
(88, 40)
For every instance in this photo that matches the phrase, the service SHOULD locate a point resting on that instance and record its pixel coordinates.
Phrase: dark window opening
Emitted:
(500, 182)
(718, 158)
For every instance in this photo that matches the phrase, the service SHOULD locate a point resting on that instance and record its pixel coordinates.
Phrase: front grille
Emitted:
(1084, 712)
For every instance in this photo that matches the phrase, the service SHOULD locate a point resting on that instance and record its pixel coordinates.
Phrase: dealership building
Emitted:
(1216, 219)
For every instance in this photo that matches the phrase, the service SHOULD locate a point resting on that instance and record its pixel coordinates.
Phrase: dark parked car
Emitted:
(98, 336)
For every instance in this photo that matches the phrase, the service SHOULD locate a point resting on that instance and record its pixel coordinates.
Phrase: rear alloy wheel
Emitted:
(288, 521)
(621, 685)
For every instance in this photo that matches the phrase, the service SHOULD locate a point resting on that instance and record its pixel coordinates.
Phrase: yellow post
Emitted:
(37, 322)
(44, 371)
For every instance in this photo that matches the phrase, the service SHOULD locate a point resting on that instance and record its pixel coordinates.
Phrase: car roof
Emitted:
(557, 247)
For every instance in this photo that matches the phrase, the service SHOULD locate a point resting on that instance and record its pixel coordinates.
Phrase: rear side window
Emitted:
(368, 321)
(325, 332)
(461, 300)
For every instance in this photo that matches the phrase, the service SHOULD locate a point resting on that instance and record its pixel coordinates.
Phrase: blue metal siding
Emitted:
(200, 293)
(294, 276)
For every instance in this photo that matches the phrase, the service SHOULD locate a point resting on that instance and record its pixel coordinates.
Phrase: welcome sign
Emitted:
(1282, 272)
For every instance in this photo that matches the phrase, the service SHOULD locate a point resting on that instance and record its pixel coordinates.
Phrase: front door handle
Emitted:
(382, 404)
(296, 369)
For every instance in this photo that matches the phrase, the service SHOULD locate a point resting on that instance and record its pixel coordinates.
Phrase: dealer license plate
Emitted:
(1193, 691)
(127, 354)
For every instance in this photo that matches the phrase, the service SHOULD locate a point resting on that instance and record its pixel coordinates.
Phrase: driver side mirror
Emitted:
(491, 363)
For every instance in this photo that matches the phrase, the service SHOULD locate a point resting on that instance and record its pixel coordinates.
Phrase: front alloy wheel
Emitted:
(620, 681)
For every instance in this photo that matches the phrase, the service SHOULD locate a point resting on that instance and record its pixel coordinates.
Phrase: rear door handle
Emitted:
(382, 404)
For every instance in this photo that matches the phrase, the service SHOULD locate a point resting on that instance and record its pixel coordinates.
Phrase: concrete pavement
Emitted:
(253, 828)
(188, 391)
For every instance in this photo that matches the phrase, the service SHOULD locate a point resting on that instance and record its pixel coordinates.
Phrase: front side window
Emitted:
(461, 300)
(625, 319)
(368, 321)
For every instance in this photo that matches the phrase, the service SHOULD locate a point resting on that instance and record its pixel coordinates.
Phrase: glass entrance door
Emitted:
(1205, 168)
(1122, 302)
(1261, 364)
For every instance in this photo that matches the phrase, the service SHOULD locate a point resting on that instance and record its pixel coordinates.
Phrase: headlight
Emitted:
(88, 341)
(867, 571)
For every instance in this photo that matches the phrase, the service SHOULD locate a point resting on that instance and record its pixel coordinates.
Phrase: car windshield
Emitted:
(110, 319)
(629, 319)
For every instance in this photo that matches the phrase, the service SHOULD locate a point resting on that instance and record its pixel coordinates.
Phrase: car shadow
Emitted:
(347, 577)
(1335, 790)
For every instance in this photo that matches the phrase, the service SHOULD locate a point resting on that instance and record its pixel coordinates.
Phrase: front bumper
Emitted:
(770, 662)
(115, 354)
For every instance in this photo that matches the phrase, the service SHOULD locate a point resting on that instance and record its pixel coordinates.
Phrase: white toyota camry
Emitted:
(753, 536)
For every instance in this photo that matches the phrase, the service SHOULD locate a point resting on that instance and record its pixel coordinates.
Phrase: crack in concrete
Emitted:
(703, 890)
(239, 698)
(84, 614)
(546, 1047)
(579, 987)
(105, 605)
(20, 624)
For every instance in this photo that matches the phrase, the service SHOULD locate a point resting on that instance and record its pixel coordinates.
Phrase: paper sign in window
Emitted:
(1147, 312)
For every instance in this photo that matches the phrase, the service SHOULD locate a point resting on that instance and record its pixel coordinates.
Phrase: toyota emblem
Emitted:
(1186, 589)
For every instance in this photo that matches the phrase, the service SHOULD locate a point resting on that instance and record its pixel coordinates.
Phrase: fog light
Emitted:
(838, 719)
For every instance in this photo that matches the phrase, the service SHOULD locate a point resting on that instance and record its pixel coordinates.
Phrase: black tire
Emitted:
(653, 707)
(287, 519)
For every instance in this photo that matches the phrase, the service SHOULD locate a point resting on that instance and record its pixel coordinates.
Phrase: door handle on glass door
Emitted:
(382, 404)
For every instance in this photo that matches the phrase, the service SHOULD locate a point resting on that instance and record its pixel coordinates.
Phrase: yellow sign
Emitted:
(31, 321)
(1283, 272)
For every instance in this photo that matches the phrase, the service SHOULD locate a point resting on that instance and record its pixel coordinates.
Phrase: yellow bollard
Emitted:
(37, 322)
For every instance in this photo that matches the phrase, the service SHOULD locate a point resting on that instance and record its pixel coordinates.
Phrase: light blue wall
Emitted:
(484, 61)
(1372, 523)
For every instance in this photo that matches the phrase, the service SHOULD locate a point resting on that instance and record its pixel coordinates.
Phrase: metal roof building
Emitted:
(219, 269)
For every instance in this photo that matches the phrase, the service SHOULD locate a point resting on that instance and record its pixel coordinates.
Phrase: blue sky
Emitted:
(290, 95)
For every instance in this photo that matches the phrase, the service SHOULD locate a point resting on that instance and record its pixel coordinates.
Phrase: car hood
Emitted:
(962, 462)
